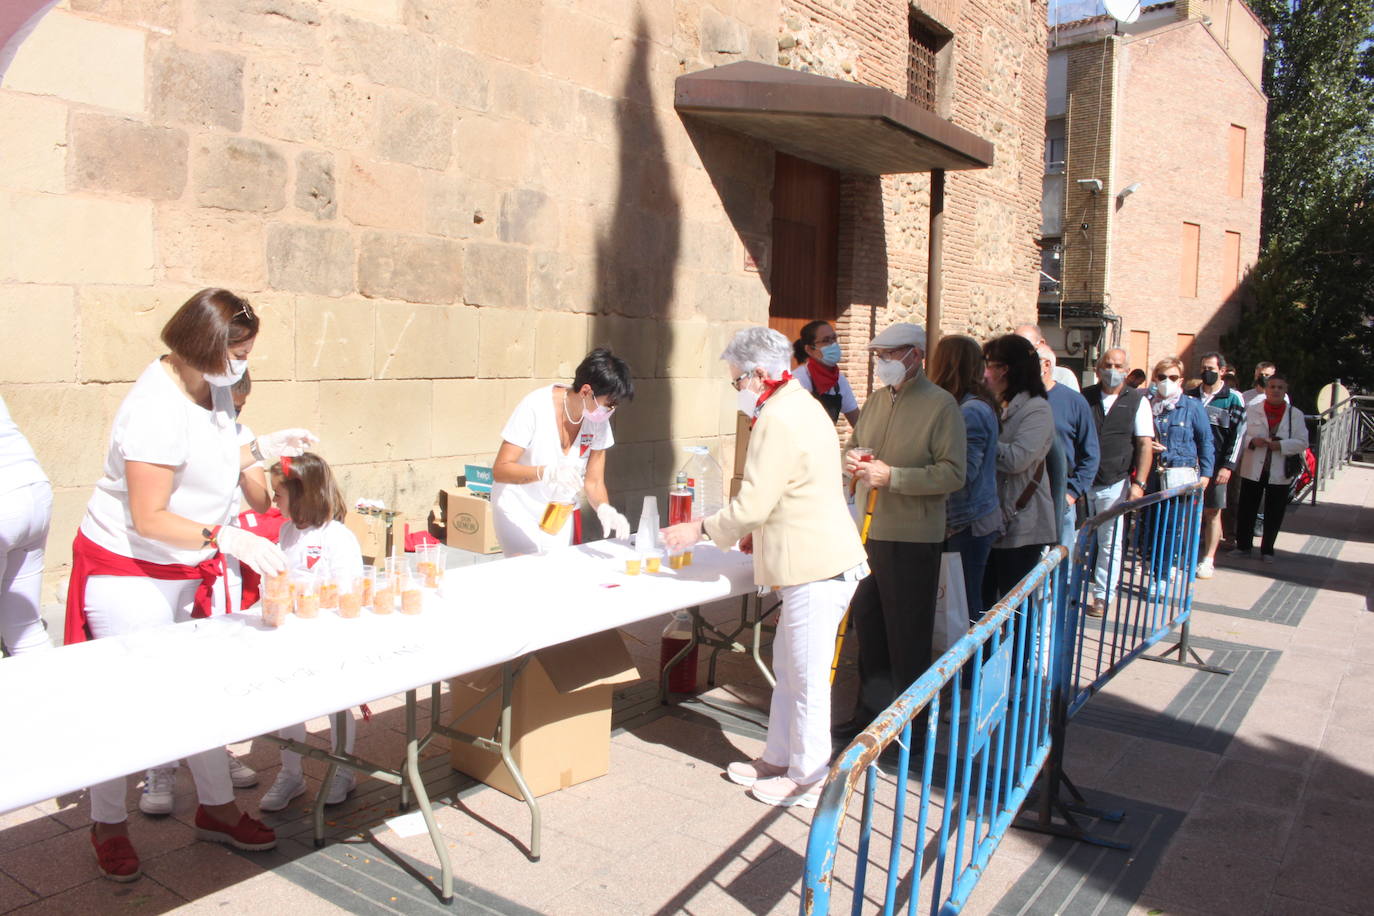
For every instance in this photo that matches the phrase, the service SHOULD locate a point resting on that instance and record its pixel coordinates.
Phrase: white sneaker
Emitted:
(158, 787)
(784, 793)
(747, 772)
(240, 773)
(343, 782)
(284, 788)
(1205, 569)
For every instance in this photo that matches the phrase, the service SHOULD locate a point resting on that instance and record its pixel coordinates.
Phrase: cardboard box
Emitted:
(468, 521)
(742, 430)
(375, 536)
(560, 715)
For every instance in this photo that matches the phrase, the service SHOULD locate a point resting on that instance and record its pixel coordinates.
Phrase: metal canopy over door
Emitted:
(805, 257)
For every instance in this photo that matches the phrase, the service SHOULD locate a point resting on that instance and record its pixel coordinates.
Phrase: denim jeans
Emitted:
(973, 557)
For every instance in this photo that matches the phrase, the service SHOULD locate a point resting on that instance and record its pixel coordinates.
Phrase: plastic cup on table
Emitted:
(383, 595)
(652, 563)
(278, 586)
(412, 595)
(429, 564)
(275, 610)
(367, 582)
(632, 565)
(329, 594)
(349, 592)
(306, 593)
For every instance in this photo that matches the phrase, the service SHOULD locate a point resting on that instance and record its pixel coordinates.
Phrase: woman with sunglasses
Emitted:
(553, 446)
(1183, 434)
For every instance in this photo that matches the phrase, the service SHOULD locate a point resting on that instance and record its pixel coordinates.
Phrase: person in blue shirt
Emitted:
(1077, 435)
(973, 515)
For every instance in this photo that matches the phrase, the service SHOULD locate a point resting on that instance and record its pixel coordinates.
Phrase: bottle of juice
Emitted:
(679, 501)
(676, 635)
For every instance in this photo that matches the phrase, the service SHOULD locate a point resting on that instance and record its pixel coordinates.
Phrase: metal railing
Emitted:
(1343, 430)
(975, 765)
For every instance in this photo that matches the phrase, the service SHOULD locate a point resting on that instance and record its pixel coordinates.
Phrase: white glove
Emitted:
(562, 478)
(613, 524)
(257, 552)
(285, 442)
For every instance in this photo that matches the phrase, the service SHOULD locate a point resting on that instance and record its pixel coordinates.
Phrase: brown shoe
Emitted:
(1096, 608)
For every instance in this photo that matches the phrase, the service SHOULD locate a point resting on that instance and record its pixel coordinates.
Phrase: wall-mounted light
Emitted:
(1091, 185)
(1127, 192)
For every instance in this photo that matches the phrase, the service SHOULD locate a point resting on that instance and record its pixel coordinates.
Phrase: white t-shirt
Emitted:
(517, 508)
(1144, 418)
(848, 403)
(1063, 375)
(18, 465)
(330, 550)
(158, 424)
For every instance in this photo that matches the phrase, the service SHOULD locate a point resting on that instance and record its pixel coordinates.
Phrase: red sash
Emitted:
(770, 388)
(90, 559)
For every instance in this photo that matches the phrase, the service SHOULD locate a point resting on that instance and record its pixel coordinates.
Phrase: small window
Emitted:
(1183, 349)
(1187, 277)
(1230, 264)
(1235, 173)
(924, 41)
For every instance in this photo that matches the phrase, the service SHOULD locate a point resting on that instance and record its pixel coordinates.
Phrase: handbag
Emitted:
(1177, 477)
(1292, 464)
(951, 605)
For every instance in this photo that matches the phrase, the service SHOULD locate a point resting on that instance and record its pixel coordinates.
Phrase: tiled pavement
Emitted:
(1249, 794)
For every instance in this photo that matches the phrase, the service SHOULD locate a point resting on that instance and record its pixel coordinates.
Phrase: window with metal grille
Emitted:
(922, 45)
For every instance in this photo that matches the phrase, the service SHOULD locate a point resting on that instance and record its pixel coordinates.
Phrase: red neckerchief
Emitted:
(1273, 413)
(90, 559)
(823, 377)
(769, 389)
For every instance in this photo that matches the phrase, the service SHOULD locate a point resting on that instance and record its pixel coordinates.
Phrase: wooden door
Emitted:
(805, 256)
(1139, 352)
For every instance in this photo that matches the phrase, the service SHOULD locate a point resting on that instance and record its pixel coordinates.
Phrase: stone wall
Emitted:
(435, 205)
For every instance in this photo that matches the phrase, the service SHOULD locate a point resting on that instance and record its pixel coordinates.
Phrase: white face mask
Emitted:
(1168, 388)
(890, 371)
(598, 413)
(748, 401)
(236, 369)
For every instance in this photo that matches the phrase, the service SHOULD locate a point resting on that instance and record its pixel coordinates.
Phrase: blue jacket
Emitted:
(1186, 434)
(978, 497)
(1073, 423)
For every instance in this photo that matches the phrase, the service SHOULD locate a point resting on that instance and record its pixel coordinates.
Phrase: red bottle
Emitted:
(680, 501)
(676, 635)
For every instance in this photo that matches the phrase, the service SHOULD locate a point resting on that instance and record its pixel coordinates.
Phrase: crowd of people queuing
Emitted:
(985, 450)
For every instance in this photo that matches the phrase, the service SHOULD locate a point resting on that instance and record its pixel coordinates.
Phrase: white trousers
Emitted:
(116, 605)
(25, 513)
(803, 648)
(291, 761)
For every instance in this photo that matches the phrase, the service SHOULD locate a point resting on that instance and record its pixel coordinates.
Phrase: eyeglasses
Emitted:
(742, 377)
(893, 352)
(1173, 378)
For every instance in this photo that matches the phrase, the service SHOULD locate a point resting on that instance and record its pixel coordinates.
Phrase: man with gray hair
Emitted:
(1062, 374)
(908, 447)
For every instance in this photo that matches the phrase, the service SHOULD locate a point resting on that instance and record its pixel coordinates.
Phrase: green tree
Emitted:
(1310, 299)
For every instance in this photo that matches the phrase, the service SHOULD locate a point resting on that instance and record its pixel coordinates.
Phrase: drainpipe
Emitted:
(935, 250)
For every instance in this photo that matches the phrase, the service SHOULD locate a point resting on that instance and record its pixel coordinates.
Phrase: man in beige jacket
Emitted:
(918, 441)
(790, 511)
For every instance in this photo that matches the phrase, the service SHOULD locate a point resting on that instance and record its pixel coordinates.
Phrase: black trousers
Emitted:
(1275, 497)
(1006, 567)
(893, 610)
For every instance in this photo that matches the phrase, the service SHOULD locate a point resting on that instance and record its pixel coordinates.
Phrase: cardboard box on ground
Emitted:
(560, 715)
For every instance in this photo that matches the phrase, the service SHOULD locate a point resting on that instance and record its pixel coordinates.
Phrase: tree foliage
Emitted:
(1310, 306)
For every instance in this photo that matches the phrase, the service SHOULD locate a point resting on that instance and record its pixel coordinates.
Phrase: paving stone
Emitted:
(1325, 863)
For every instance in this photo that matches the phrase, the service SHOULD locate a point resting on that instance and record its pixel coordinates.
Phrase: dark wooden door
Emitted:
(805, 257)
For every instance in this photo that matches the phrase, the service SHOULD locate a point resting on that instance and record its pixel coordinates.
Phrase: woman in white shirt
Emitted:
(25, 513)
(817, 352)
(149, 550)
(554, 445)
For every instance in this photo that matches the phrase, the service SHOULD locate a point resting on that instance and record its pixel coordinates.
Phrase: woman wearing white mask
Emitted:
(150, 548)
(553, 446)
(790, 513)
(817, 352)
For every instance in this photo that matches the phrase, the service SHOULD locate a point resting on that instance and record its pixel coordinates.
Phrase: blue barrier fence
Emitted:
(1030, 663)
(975, 765)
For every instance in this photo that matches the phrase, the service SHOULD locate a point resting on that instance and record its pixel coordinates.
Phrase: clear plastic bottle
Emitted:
(676, 636)
(706, 481)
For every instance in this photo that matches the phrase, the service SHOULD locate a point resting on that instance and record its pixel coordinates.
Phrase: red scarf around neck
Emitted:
(823, 377)
(769, 389)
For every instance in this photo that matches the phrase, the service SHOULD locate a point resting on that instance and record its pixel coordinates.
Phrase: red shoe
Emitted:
(116, 858)
(248, 834)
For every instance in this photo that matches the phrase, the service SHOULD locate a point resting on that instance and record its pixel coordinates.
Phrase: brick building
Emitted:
(1154, 154)
(437, 205)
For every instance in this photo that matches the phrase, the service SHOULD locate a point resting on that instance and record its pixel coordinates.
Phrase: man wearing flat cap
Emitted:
(917, 436)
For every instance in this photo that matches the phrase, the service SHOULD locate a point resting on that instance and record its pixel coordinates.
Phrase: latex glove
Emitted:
(285, 442)
(257, 552)
(613, 524)
(562, 478)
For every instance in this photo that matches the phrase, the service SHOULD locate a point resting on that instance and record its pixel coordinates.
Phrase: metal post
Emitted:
(935, 256)
(417, 785)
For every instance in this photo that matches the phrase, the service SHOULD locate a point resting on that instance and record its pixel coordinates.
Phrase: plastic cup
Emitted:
(686, 558)
(429, 564)
(632, 566)
(396, 567)
(383, 596)
(275, 611)
(307, 596)
(412, 597)
(367, 581)
(350, 596)
(278, 586)
(652, 563)
(329, 595)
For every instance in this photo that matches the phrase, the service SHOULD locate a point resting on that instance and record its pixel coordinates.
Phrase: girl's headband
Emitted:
(285, 466)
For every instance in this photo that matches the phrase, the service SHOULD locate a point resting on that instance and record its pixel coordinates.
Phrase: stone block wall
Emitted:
(436, 205)
(991, 82)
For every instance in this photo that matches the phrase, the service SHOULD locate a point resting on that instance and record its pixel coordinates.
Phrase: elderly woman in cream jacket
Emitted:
(791, 513)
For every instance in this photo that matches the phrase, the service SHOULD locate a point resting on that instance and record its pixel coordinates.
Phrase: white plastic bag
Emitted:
(951, 604)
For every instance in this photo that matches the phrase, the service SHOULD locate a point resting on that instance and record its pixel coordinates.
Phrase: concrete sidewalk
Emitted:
(1249, 793)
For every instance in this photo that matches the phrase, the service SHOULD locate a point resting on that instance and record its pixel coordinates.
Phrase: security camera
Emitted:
(1091, 185)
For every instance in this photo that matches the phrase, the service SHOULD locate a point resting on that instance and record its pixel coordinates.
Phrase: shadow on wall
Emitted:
(636, 258)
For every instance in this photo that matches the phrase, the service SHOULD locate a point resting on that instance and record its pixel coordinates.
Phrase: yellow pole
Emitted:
(844, 621)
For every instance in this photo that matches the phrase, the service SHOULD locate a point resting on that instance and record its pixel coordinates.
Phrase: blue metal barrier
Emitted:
(980, 760)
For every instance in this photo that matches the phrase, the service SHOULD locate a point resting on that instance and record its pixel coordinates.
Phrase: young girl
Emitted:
(315, 540)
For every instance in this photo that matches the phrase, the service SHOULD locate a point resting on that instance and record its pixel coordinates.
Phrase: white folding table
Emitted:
(69, 721)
